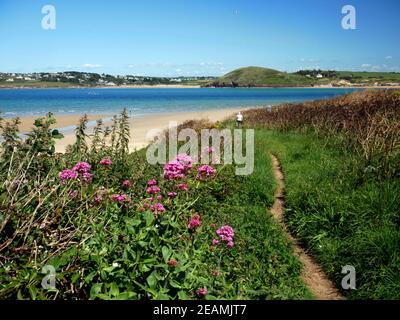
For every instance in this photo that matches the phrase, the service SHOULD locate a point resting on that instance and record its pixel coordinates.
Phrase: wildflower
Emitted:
(215, 273)
(202, 292)
(152, 182)
(205, 171)
(183, 186)
(213, 225)
(226, 233)
(157, 208)
(82, 167)
(178, 168)
(194, 221)
(98, 198)
(118, 197)
(172, 263)
(87, 177)
(67, 174)
(106, 162)
(159, 197)
(210, 149)
(215, 242)
(126, 184)
(72, 194)
(171, 194)
(153, 190)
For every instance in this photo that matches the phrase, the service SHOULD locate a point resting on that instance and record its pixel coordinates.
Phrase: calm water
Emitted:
(22, 102)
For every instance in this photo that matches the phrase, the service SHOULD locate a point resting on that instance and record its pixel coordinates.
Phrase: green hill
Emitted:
(260, 77)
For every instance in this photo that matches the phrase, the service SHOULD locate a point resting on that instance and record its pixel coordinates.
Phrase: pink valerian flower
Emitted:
(226, 233)
(106, 162)
(159, 197)
(98, 198)
(152, 182)
(194, 222)
(202, 292)
(183, 187)
(172, 263)
(145, 205)
(87, 177)
(119, 197)
(153, 190)
(213, 225)
(157, 208)
(72, 194)
(67, 174)
(210, 149)
(205, 171)
(82, 167)
(178, 168)
(126, 184)
(215, 242)
(171, 194)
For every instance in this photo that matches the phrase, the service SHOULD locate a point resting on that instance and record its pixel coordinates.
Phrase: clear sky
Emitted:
(198, 37)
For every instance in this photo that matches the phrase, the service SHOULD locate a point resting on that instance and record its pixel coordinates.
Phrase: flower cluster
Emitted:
(202, 292)
(119, 197)
(226, 233)
(106, 162)
(178, 168)
(153, 190)
(80, 170)
(205, 171)
(157, 208)
(194, 222)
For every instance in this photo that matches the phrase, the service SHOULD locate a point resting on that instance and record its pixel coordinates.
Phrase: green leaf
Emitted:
(152, 279)
(114, 290)
(166, 252)
(182, 295)
(95, 290)
(175, 284)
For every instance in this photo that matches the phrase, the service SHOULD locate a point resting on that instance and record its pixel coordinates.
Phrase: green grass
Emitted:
(343, 216)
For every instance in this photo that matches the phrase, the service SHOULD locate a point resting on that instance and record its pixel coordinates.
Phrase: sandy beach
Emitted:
(139, 126)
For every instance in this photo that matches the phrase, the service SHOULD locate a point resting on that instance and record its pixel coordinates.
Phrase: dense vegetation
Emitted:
(115, 227)
(341, 160)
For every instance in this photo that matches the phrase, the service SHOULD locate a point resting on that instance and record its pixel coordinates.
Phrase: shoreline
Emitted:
(140, 126)
(178, 86)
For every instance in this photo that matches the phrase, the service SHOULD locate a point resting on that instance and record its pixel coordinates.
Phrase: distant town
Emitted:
(75, 78)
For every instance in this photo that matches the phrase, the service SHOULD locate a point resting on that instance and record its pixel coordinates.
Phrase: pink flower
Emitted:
(205, 171)
(67, 174)
(215, 242)
(194, 221)
(106, 162)
(202, 292)
(172, 194)
(153, 190)
(159, 197)
(126, 184)
(145, 205)
(98, 198)
(152, 182)
(87, 177)
(119, 197)
(183, 186)
(215, 273)
(210, 149)
(213, 225)
(178, 168)
(172, 263)
(72, 193)
(82, 167)
(226, 233)
(157, 208)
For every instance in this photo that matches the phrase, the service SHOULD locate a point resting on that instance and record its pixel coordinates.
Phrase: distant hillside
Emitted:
(260, 77)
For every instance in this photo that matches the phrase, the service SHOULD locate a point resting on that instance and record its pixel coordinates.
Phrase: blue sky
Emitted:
(198, 37)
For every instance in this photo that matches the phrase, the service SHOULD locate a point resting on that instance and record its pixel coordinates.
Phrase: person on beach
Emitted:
(239, 119)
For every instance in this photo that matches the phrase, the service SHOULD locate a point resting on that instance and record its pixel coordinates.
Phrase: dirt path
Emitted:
(312, 274)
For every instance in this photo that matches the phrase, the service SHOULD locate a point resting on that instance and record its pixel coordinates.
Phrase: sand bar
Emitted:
(140, 126)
